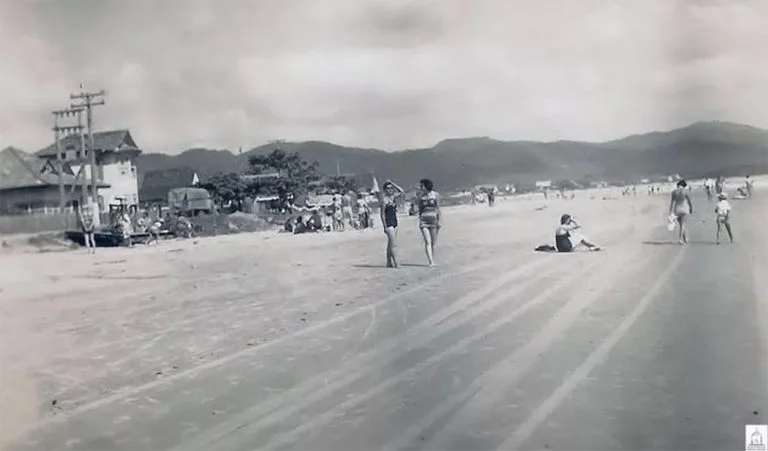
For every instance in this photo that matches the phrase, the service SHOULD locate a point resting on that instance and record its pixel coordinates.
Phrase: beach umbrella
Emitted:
(375, 188)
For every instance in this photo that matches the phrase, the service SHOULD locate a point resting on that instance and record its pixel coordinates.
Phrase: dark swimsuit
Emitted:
(563, 243)
(390, 214)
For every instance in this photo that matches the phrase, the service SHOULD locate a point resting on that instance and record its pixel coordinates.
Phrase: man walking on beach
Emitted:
(86, 223)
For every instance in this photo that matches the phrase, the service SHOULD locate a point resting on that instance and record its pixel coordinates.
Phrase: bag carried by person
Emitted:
(671, 223)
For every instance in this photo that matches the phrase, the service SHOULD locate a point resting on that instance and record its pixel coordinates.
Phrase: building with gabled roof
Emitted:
(116, 154)
(30, 184)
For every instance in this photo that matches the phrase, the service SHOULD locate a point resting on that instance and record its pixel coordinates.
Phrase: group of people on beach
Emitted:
(429, 215)
(681, 207)
(336, 216)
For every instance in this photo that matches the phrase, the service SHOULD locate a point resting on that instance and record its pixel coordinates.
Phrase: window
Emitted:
(77, 155)
(63, 156)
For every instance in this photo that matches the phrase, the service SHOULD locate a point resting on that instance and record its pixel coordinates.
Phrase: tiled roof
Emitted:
(107, 140)
(21, 170)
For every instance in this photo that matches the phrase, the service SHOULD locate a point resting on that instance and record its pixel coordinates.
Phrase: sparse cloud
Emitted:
(381, 73)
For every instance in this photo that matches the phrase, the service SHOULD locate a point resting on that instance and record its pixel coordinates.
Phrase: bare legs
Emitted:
(429, 234)
(590, 246)
(720, 225)
(90, 242)
(391, 247)
(683, 233)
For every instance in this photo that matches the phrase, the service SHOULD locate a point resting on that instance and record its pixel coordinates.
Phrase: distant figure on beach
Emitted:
(337, 214)
(709, 187)
(491, 197)
(680, 206)
(346, 208)
(300, 227)
(723, 215)
(748, 186)
(429, 217)
(86, 223)
(719, 184)
(363, 212)
(566, 237)
(315, 221)
(388, 197)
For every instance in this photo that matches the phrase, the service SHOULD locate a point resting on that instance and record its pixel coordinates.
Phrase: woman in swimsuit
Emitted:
(566, 237)
(388, 209)
(429, 217)
(680, 207)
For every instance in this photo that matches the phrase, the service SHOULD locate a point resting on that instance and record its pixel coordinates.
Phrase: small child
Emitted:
(723, 212)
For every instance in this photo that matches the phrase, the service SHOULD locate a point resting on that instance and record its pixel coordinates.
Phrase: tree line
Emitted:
(296, 176)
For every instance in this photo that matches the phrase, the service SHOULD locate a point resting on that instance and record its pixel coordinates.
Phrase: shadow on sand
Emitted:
(675, 243)
(402, 265)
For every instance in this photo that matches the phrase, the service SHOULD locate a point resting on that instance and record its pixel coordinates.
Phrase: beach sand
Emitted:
(232, 342)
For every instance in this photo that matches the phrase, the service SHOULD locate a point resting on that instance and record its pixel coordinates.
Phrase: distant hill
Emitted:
(705, 148)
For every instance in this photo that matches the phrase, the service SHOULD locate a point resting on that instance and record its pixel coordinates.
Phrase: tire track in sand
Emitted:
(483, 391)
(288, 437)
(596, 358)
(316, 388)
(216, 363)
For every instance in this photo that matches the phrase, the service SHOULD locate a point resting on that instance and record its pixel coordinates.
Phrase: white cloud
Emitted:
(383, 73)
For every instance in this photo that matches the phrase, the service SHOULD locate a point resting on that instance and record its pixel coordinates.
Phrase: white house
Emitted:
(116, 154)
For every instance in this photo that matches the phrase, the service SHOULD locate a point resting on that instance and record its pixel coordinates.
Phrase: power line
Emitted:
(58, 130)
(88, 101)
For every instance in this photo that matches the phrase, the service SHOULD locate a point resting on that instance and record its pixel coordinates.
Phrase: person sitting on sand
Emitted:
(315, 222)
(680, 206)
(723, 215)
(288, 225)
(300, 226)
(566, 238)
(184, 225)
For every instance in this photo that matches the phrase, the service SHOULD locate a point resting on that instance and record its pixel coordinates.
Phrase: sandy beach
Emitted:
(273, 341)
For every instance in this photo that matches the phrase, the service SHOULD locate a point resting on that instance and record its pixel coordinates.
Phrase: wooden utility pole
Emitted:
(88, 101)
(58, 130)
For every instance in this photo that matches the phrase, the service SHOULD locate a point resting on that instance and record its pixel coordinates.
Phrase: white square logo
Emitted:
(756, 437)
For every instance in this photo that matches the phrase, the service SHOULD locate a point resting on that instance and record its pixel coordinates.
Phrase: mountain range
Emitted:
(700, 149)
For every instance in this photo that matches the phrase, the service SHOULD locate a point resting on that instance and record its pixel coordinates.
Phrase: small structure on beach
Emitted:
(155, 185)
(542, 185)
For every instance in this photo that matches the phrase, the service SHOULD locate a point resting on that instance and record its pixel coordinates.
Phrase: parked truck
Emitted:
(190, 201)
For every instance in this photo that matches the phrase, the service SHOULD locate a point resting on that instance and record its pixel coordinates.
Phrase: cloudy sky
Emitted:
(390, 74)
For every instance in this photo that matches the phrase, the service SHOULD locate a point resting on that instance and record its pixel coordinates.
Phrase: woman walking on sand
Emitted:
(429, 217)
(680, 207)
(388, 208)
